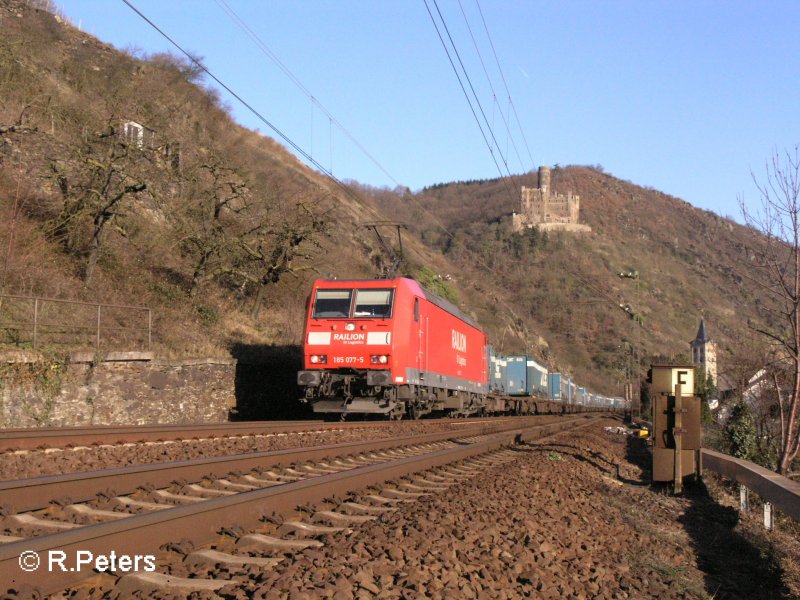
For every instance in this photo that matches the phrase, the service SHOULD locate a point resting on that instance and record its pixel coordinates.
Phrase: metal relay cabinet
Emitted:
(677, 437)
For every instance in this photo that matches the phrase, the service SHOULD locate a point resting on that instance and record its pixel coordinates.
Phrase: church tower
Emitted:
(704, 352)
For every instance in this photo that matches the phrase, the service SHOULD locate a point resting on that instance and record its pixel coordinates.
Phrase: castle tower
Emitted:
(544, 181)
(704, 352)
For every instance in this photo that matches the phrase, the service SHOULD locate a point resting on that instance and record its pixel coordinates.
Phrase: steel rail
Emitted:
(59, 437)
(34, 438)
(145, 533)
(38, 492)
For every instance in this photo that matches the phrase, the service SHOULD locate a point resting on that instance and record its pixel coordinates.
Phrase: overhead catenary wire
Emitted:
(471, 87)
(466, 95)
(491, 86)
(505, 84)
(262, 46)
(247, 105)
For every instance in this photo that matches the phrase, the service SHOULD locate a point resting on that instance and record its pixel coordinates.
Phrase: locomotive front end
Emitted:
(348, 347)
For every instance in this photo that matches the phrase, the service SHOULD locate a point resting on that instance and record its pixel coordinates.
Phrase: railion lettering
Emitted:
(349, 337)
(459, 341)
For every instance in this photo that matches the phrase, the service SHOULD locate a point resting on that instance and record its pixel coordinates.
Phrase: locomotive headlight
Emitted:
(319, 359)
(379, 359)
(350, 327)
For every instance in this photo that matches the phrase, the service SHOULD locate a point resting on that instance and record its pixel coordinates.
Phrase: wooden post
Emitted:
(676, 434)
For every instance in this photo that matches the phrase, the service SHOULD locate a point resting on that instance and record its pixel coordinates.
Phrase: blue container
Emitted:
(497, 372)
(516, 375)
(554, 386)
(536, 378)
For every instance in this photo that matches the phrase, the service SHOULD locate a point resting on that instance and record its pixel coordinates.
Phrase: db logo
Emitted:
(29, 561)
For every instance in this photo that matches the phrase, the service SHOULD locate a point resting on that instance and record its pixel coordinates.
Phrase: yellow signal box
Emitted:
(666, 377)
(676, 423)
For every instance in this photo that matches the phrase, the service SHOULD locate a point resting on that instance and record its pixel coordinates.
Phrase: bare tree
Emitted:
(210, 231)
(94, 187)
(271, 252)
(773, 265)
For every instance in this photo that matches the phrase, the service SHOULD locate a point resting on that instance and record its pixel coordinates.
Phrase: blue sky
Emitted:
(686, 97)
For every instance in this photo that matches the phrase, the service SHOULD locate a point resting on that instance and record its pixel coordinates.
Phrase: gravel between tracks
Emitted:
(553, 524)
(51, 462)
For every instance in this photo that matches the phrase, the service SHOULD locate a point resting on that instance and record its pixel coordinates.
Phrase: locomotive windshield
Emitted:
(373, 304)
(336, 304)
(332, 304)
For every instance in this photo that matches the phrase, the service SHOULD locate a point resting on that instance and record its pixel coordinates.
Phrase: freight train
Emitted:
(391, 347)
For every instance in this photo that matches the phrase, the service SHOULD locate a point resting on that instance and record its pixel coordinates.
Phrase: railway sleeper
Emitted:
(215, 557)
(134, 583)
(299, 527)
(386, 501)
(179, 498)
(242, 487)
(261, 482)
(267, 542)
(95, 513)
(205, 491)
(365, 509)
(28, 520)
(336, 518)
(132, 502)
(395, 493)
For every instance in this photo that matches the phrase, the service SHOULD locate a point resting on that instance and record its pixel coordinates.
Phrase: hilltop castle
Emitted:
(547, 210)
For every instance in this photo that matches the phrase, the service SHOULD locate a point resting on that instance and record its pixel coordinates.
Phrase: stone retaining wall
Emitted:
(119, 389)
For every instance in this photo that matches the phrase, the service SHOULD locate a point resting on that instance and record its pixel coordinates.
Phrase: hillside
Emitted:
(125, 181)
(220, 230)
(558, 295)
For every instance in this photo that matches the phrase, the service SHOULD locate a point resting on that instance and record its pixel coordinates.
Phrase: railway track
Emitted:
(136, 511)
(36, 438)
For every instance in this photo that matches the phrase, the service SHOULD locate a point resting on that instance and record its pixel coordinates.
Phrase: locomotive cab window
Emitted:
(332, 304)
(373, 304)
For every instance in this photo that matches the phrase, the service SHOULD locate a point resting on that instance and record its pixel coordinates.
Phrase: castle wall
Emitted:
(541, 207)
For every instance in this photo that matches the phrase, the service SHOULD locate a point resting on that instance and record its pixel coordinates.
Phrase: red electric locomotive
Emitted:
(388, 346)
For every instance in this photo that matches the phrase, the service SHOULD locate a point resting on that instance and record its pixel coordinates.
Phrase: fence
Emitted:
(31, 322)
(774, 489)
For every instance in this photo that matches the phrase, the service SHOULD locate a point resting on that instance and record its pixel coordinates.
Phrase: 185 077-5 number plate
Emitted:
(349, 360)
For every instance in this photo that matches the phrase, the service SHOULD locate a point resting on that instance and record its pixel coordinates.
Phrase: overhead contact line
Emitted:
(505, 84)
(293, 78)
(249, 107)
(491, 86)
(464, 90)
